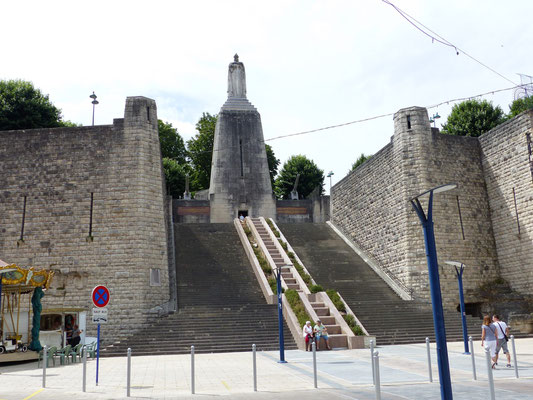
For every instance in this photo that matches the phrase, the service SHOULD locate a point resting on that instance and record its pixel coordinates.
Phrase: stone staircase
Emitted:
(317, 308)
(221, 307)
(333, 264)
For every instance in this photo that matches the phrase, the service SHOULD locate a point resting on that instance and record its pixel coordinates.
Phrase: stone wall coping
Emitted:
(373, 264)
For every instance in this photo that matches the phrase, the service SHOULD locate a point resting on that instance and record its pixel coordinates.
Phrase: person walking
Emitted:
(488, 338)
(502, 336)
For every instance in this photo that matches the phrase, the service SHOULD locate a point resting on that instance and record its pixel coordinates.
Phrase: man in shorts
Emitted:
(321, 332)
(502, 334)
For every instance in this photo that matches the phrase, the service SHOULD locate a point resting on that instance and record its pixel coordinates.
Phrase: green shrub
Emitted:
(316, 288)
(356, 329)
(336, 299)
(290, 254)
(248, 231)
(297, 306)
(262, 262)
(283, 244)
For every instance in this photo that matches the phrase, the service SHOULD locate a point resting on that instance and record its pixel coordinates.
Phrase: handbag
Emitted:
(504, 335)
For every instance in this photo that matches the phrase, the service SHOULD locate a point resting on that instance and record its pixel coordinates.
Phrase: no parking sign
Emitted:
(100, 296)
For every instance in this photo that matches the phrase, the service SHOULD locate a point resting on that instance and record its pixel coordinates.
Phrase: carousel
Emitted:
(21, 290)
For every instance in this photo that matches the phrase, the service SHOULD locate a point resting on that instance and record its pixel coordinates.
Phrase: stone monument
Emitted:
(240, 179)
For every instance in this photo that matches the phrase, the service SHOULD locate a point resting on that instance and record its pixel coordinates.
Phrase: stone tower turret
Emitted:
(240, 179)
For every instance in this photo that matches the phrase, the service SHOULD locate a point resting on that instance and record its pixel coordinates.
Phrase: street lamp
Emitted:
(459, 268)
(280, 315)
(94, 103)
(434, 284)
(329, 175)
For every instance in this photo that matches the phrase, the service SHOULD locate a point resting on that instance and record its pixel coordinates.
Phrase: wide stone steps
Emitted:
(383, 313)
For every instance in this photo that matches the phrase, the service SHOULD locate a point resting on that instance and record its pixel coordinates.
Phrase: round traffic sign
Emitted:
(100, 296)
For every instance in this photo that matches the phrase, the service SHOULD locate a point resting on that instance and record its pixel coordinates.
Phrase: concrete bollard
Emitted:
(313, 346)
(473, 358)
(514, 357)
(84, 384)
(489, 373)
(192, 369)
(45, 361)
(376, 375)
(429, 360)
(255, 368)
(128, 377)
(372, 361)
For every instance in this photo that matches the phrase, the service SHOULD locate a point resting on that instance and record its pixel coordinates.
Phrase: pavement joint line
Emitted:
(34, 394)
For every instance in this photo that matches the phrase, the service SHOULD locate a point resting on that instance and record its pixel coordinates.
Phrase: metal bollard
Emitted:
(376, 369)
(489, 373)
(192, 369)
(255, 368)
(313, 346)
(514, 357)
(45, 361)
(473, 358)
(128, 379)
(372, 361)
(429, 360)
(84, 385)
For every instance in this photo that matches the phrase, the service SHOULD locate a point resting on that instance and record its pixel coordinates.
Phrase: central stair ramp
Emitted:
(318, 305)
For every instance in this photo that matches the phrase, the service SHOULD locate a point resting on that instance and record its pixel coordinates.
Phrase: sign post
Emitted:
(100, 297)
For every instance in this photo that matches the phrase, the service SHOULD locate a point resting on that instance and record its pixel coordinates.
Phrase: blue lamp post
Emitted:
(434, 284)
(459, 268)
(280, 317)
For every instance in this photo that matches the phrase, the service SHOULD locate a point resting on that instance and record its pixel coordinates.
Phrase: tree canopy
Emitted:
(520, 105)
(22, 106)
(362, 158)
(200, 149)
(172, 144)
(273, 164)
(473, 118)
(310, 177)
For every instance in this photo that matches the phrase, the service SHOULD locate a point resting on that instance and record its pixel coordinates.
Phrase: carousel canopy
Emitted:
(20, 279)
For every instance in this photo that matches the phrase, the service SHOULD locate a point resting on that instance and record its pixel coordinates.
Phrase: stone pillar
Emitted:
(240, 179)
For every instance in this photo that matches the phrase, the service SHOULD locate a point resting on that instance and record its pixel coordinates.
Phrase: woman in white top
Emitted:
(488, 338)
(308, 335)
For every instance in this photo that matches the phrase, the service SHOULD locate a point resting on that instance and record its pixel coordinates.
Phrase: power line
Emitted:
(437, 38)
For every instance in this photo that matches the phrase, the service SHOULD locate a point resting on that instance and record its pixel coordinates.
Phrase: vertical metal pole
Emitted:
(489, 373)
(280, 319)
(436, 298)
(429, 360)
(97, 352)
(84, 386)
(514, 357)
(313, 346)
(473, 358)
(376, 368)
(255, 368)
(372, 361)
(192, 369)
(128, 380)
(45, 361)
(462, 303)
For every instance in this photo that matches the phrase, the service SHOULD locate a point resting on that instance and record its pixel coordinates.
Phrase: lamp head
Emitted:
(438, 189)
(454, 263)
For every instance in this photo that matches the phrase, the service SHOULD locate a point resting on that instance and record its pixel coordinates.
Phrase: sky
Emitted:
(309, 64)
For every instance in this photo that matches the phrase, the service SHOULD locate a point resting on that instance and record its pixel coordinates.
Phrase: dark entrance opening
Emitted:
(244, 213)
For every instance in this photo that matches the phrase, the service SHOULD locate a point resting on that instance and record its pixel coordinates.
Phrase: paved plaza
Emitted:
(343, 374)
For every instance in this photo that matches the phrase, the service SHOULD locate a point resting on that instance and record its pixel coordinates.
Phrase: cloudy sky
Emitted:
(309, 64)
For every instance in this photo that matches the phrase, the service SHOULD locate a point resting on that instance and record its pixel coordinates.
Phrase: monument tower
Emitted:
(240, 179)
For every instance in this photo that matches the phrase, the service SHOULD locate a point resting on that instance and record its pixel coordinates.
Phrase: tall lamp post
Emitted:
(94, 103)
(434, 284)
(459, 268)
(329, 175)
(280, 317)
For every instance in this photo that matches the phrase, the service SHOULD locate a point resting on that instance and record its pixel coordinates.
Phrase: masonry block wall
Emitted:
(57, 171)
(371, 205)
(508, 166)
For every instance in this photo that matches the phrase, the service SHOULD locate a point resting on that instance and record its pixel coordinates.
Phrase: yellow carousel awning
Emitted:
(23, 279)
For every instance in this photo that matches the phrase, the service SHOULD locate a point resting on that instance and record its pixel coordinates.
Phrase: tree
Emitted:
(473, 118)
(273, 163)
(175, 175)
(362, 158)
(172, 144)
(520, 105)
(310, 177)
(200, 149)
(22, 106)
